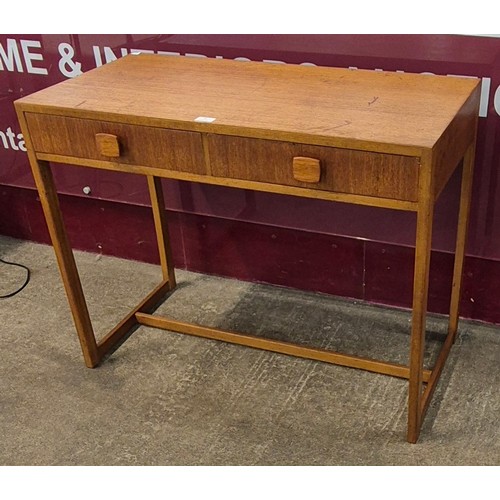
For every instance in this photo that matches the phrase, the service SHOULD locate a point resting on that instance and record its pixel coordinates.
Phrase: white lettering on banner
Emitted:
(10, 56)
(496, 100)
(187, 54)
(67, 66)
(485, 96)
(8, 140)
(20, 55)
(29, 56)
(272, 61)
(166, 53)
(141, 51)
(109, 55)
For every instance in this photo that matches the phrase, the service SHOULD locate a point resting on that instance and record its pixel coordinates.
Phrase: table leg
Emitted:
(161, 227)
(67, 266)
(463, 219)
(420, 294)
(457, 277)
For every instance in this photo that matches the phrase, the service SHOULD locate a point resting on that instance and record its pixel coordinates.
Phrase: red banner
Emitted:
(32, 62)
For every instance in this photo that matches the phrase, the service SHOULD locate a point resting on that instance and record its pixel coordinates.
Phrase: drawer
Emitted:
(117, 142)
(315, 167)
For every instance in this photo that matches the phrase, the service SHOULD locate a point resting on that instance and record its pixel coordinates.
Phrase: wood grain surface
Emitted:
(139, 145)
(359, 109)
(343, 170)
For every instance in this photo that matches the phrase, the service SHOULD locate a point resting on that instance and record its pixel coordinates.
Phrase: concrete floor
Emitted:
(170, 399)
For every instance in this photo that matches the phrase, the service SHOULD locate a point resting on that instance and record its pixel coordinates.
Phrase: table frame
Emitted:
(457, 143)
(95, 352)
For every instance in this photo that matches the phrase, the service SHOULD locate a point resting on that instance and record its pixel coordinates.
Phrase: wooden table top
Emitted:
(382, 111)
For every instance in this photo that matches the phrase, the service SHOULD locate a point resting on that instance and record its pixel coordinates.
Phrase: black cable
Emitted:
(25, 283)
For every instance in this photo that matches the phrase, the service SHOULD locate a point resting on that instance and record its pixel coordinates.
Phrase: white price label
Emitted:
(204, 119)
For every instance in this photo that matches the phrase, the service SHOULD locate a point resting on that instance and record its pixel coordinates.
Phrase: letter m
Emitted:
(10, 56)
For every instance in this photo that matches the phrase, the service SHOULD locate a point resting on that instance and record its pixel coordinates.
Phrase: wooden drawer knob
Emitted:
(306, 169)
(108, 145)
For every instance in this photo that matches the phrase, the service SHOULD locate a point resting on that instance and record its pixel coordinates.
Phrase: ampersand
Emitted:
(67, 66)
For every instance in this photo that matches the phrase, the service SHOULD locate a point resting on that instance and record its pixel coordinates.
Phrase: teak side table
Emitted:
(364, 137)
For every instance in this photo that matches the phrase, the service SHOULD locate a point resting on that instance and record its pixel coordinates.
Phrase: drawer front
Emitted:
(117, 142)
(315, 167)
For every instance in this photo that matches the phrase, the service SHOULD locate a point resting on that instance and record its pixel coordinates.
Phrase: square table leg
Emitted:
(417, 342)
(161, 227)
(420, 294)
(93, 352)
(66, 261)
(463, 222)
(419, 400)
